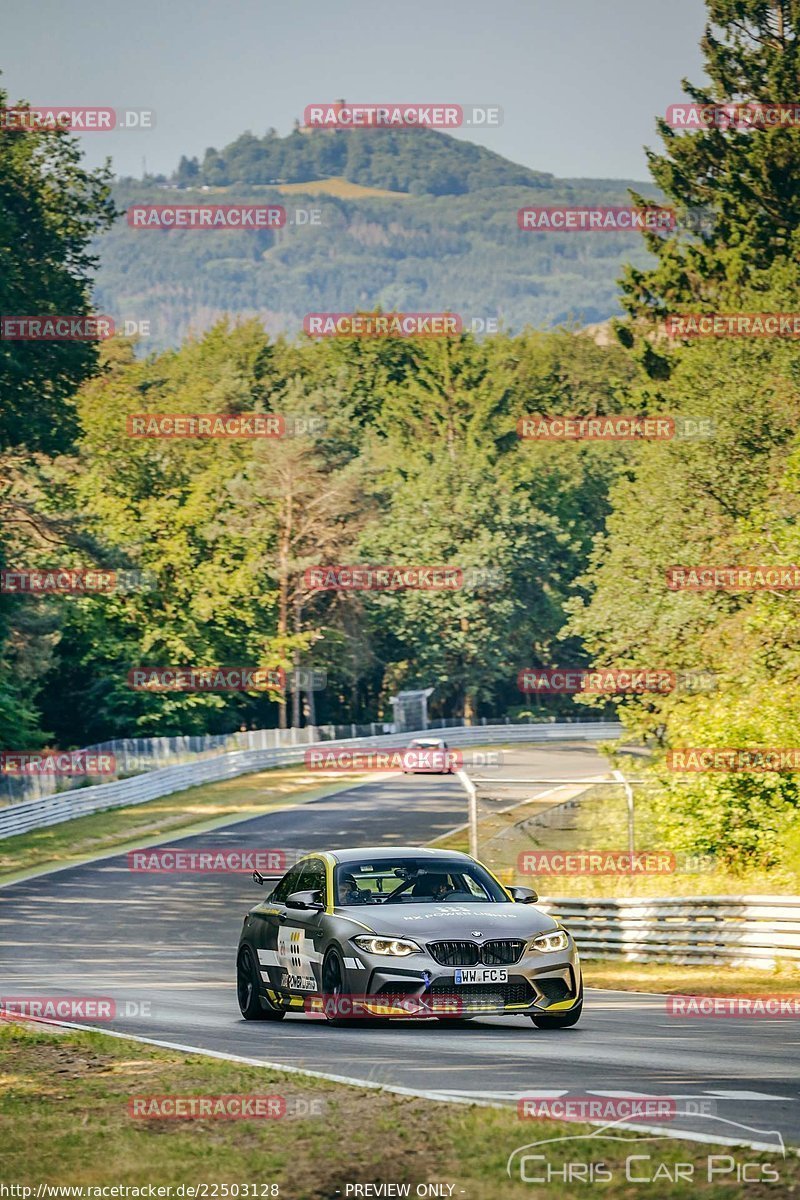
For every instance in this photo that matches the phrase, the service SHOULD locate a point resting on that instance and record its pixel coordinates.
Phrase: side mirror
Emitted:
(258, 878)
(523, 895)
(307, 900)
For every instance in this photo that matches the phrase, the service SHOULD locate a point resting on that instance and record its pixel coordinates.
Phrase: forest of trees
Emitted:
(423, 253)
(418, 462)
(419, 161)
(447, 240)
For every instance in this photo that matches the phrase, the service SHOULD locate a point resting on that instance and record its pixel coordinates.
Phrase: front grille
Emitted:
(554, 989)
(502, 953)
(480, 995)
(468, 954)
(455, 954)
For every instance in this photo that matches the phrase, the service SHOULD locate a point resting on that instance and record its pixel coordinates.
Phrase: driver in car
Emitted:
(432, 887)
(350, 892)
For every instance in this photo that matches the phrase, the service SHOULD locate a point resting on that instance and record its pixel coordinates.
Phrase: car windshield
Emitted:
(415, 881)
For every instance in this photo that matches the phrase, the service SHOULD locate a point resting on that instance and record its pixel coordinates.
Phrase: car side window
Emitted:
(313, 879)
(290, 883)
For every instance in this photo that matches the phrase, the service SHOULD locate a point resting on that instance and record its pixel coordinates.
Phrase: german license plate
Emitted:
(482, 975)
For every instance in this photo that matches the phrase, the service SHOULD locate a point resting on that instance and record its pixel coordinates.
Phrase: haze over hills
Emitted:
(414, 220)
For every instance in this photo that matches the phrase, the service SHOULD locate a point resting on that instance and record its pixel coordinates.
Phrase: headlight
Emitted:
(550, 941)
(396, 947)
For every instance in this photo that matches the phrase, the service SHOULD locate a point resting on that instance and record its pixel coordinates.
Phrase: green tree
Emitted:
(51, 208)
(738, 183)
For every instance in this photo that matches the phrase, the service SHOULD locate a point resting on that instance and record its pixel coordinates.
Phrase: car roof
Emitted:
(391, 853)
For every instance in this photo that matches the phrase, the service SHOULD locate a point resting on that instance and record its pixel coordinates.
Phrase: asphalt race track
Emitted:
(164, 945)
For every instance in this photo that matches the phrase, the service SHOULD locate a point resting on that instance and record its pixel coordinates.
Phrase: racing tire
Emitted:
(248, 990)
(333, 984)
(559, 1020)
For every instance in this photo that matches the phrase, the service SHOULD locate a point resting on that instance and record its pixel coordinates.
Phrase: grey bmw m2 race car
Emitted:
(399, 932)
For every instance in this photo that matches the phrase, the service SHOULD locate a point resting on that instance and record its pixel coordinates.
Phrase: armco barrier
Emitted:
(79, 802)
(755, 931)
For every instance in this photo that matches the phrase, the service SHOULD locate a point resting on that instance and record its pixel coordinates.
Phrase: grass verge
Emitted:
(690, 980)
(198, 808)
(64, 1105)
(595, 817)
(193, 810)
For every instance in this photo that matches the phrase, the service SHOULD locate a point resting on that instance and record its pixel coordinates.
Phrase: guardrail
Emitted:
(736, 931)
(135, 756)
(80, 802)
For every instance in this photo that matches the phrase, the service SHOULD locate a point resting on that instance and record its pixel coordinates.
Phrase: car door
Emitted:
(270, 917)
(301, 933)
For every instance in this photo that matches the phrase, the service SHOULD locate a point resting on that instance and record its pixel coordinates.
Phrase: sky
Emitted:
(579, 82)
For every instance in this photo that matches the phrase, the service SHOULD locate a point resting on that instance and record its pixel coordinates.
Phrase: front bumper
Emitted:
(537, 983)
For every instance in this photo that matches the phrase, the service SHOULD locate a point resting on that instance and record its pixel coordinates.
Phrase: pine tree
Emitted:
(741, 182)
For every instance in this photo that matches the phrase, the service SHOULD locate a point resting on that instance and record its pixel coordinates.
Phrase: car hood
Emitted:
(447, 922)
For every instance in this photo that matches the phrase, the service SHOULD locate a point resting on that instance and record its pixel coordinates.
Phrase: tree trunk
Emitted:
(298, 621)
(284, 547)
(311, 708)
(469, 692)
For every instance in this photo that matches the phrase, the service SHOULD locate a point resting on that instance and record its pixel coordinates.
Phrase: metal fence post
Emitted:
(472, 807)
(631, 811)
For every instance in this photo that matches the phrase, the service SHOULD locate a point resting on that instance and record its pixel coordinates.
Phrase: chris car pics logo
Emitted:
(627, 1152)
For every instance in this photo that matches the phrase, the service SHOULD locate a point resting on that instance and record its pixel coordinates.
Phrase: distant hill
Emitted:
(411, 220)
(420, 161)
